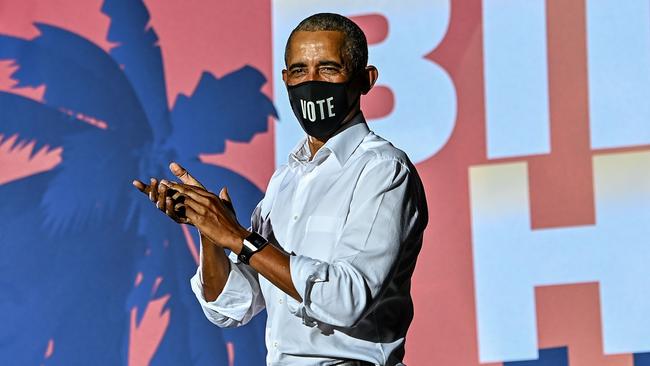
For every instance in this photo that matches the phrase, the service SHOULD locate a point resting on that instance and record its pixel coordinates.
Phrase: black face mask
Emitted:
(320, 106)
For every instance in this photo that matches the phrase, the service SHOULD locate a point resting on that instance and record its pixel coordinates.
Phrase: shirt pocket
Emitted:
(321, 235)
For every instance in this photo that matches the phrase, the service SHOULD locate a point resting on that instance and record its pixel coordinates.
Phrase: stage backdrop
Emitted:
(529, 122)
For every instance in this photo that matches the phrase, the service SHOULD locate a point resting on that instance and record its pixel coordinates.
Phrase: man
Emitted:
(343, 220)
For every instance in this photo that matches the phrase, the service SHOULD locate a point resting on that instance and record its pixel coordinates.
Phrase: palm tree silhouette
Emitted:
(74, 239)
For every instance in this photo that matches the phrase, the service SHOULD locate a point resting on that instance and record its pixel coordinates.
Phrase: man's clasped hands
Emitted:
(191, 203)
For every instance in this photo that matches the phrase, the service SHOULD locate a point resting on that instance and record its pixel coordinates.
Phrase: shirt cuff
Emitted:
(234, 301)
(305, 272)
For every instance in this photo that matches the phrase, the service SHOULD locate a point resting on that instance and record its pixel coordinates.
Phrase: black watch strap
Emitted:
(252, 244)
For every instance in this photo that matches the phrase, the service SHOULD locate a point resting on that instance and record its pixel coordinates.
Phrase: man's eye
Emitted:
(298, 71)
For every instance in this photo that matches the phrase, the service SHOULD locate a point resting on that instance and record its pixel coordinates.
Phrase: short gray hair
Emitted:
(355, 46)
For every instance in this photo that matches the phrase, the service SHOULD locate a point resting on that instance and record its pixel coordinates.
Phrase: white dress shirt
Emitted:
(354, 217)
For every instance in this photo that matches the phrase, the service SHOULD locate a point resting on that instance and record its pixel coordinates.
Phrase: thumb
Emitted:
(224, 195)
(225, 198)
(183, 175)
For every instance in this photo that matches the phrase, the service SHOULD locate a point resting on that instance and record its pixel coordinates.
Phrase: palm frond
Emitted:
(32, 120)
(80, 78)
(233, 106)
(139, 54)
(91, 184)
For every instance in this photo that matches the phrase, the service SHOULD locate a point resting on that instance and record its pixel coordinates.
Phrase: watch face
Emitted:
(256, 240)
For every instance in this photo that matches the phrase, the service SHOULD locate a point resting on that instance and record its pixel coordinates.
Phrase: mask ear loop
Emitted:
(352, 79)
(351, 105)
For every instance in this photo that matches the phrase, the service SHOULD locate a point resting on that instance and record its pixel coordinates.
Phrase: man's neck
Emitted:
(315, 144)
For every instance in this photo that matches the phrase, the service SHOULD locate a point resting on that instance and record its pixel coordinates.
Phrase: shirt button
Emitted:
(275, 344)
(280, 301)
(295, 218)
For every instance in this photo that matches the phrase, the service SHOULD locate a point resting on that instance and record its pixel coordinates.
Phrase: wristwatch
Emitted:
(252, 244)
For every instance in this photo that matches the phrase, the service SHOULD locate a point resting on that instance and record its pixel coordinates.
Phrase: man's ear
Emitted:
(370, 77)
(284, 76)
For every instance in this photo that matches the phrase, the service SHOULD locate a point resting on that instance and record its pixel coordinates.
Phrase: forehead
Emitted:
(306, 45)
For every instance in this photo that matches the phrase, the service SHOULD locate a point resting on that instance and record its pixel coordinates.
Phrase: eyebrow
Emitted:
(330, 63)
(296, 65)
(320, 63)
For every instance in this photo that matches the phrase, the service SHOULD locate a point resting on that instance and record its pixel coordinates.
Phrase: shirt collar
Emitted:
(342, 145)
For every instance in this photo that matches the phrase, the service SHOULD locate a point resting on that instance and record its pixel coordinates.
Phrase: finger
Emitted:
(180, 212)
(224, 195)
(169, 207)
(172, 193)
(162, 195)
(184, 175)
(153, 190)
(195, 205)
(140, 186)
(188, 191)
(225, 198)
(169, 211)
(179, 208)
(191, 217)
(175, 194)
(196, 197)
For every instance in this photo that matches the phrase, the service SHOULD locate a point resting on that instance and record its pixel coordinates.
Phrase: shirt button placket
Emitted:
(296, 206)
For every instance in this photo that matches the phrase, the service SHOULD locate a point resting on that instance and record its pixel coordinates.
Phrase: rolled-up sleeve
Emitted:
(240, 300)
(383, 215)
